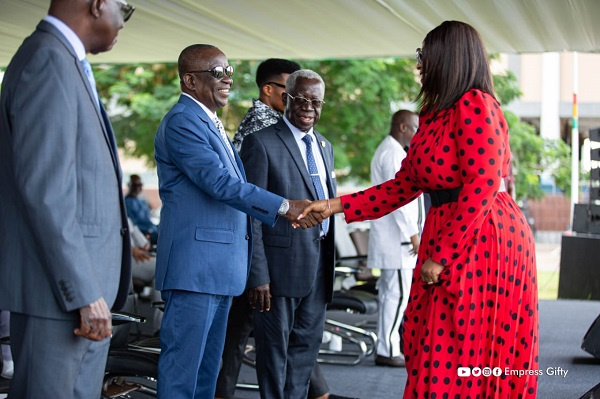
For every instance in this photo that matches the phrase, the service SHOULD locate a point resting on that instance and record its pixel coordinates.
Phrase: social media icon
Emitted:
(497, 371)
(464, 371)
(486, 371)
(476, 372)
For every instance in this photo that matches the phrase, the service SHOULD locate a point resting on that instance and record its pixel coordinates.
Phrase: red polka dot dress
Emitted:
(483, 313)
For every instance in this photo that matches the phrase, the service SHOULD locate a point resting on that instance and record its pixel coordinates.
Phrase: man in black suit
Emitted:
(291, 278)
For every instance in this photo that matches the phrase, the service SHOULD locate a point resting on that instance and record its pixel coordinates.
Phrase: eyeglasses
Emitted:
(218, 72)
(126, 9)
(301, 101)
(276, 84)
(419, 56)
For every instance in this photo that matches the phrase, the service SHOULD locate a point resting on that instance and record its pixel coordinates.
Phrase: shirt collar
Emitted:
(395, 143)
(210, 114)
(68, 33)
(297, 132)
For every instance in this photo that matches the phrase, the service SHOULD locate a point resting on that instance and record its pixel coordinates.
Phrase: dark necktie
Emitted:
(314, 175)
(90, 76)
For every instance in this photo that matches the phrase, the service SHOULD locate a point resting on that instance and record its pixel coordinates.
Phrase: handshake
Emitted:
(306, 214)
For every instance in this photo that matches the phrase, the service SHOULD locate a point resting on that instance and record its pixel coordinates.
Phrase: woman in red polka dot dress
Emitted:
(473, 301)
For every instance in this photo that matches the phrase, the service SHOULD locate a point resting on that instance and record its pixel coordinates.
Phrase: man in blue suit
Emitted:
(205, 230)
(64, 248)
(291, 279)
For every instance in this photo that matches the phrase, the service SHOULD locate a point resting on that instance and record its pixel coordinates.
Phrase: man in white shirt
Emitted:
(394, 241)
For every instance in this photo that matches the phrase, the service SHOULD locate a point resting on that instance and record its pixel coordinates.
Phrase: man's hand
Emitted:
(297, 206)
(260, 296)
(140, 255)
(324, 208)
(96, 323)
(416, 242)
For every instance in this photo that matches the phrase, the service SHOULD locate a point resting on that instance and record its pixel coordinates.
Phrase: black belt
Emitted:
(440, 197)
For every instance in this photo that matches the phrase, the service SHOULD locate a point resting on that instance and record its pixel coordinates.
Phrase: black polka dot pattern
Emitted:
(484, 311)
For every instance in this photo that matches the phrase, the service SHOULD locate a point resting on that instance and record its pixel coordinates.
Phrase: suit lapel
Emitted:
(232, 158)
(328, 162)
(286, 135)
(109, 136)
(100, 112)
(235, 159)
(49, 28)
(86, 83)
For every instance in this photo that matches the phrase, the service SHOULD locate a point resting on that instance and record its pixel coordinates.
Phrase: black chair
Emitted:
(357, 342)
(130, 367)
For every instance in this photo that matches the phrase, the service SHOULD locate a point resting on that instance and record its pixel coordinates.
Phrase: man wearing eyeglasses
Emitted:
(64, 247)
(291, 279)
(267, 110)
(203, 254)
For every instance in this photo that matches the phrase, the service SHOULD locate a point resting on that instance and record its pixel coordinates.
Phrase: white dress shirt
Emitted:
(298, 135)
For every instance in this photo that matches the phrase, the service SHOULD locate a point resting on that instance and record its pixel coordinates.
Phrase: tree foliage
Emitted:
(137, 96)
(360, 97)
(531, 154)
(356, 115)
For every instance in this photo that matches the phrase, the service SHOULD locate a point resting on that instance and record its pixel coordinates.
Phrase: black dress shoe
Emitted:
(334, 396)
(392, 361)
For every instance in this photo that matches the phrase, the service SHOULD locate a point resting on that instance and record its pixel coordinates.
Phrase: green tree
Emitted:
(359, 100)
(356, 116)
(360, 97)
(531, 154)
(137, 97)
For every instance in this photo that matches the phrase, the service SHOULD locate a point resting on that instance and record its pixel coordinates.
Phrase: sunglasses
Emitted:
(276, 84)
(218, 72)
(419, 54)
(301, 101)
(126, 9)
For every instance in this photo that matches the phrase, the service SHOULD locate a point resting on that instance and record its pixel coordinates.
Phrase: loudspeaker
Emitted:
(586, 218)
(595, 134)
(591, 340)
(593, 393)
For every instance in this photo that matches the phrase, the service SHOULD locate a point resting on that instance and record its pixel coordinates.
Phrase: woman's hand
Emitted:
(321, 209)
(430, 272)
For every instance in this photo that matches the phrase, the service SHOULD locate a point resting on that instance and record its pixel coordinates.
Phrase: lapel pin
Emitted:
(322, 143)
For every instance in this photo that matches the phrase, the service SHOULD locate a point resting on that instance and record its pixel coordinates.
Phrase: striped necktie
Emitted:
(221, 129)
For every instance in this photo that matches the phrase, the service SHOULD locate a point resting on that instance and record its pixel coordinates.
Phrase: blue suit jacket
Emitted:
(205, 231)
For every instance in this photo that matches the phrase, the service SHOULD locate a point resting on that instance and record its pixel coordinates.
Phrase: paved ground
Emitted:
(548, 251)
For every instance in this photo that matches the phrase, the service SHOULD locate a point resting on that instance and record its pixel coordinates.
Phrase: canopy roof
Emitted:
(317, 29)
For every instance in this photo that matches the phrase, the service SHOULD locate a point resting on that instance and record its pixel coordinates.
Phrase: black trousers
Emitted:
(240, 324)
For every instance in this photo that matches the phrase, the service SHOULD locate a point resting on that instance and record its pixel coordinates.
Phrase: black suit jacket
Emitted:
(287, 258)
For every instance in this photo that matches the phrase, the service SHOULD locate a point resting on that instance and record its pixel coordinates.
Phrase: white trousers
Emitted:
(394, 289)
